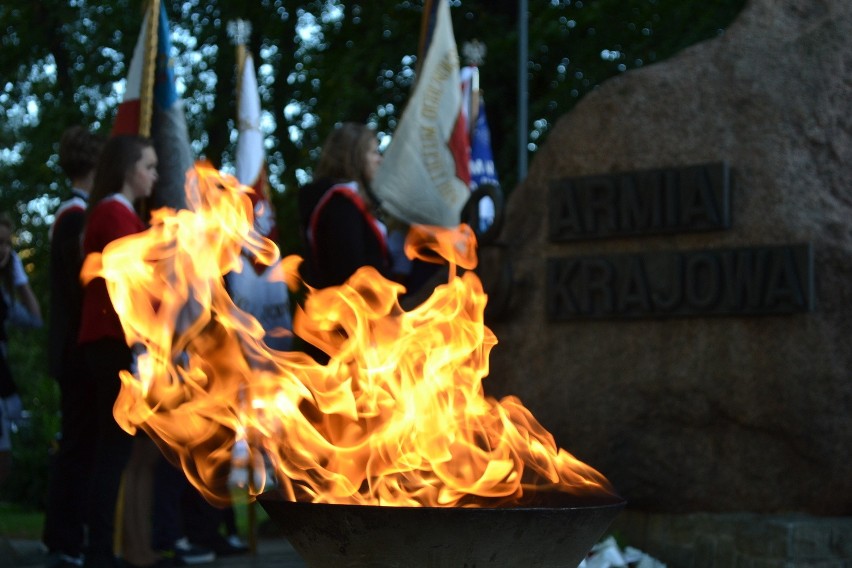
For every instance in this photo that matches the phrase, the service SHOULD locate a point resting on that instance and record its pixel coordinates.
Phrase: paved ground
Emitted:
(270, 553)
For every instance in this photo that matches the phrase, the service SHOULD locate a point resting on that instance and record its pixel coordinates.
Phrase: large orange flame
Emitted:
(397, 417)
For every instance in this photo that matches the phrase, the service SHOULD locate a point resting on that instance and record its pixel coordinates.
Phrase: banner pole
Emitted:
(146, 91)
(523, 29)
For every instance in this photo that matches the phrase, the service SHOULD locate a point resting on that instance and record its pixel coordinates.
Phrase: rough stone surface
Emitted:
(739, 539)
(717, 413)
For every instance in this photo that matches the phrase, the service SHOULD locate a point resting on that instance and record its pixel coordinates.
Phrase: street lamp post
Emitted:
(523, 25)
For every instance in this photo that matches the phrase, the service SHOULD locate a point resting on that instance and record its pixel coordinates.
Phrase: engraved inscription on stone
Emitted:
(760, 280)
(688, 199)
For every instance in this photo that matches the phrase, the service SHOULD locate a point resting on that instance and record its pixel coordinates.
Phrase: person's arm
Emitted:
(30, 302)
(26, 312)
(68, 245)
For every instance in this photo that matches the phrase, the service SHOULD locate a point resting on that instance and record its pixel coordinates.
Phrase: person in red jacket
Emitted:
(126, 173)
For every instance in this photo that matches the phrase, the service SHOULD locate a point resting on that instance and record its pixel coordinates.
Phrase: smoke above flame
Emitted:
(397, 417)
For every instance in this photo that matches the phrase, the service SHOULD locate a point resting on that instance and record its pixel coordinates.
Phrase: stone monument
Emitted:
(681, 308)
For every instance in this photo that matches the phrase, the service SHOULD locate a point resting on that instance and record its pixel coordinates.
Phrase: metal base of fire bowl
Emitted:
(557, 531)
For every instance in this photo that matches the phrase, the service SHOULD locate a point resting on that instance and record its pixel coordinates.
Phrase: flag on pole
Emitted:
(257, 289)
(151, 107)
(425, 174)
(251, 156)
(482, 169)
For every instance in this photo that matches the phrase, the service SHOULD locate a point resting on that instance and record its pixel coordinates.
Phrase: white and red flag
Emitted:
(151, 107)
(257, 289)
(425, 174)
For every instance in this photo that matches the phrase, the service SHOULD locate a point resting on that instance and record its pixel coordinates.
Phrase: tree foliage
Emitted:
(319, 62)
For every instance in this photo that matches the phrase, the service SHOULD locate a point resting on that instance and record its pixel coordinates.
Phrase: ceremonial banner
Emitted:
(251, 155)
(482, 169)
(151, 107)
(258, 289)
(425, 174)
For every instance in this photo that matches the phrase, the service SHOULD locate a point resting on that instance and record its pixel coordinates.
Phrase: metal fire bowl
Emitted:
(555, 530)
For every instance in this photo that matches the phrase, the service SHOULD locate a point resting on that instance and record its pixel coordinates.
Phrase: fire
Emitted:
(398, 416)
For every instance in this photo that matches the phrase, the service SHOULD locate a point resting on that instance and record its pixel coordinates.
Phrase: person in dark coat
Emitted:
(340, 227)
(63, 530)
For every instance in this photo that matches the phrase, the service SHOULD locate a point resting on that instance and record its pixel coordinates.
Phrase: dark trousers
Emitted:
(203, 522)
(67, 492)
(104, 359)
(170, 485)
(180, 510)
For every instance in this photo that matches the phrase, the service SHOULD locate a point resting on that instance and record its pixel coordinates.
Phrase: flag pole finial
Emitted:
(239, 31)
(474, 52)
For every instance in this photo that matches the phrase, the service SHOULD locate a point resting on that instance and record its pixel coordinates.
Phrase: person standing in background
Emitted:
(340, 228)
(63, 531)
(18, 306)
(126, 173)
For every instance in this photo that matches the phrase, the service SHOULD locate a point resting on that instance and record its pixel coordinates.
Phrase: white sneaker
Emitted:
(187, 554)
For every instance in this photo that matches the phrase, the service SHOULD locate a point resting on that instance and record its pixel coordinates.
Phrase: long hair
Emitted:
(117, 160)
(344, 152)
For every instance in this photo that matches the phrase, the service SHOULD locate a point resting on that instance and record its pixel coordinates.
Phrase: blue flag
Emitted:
(482, 170)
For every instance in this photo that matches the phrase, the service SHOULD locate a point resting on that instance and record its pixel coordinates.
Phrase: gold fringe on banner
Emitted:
(146, 95)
